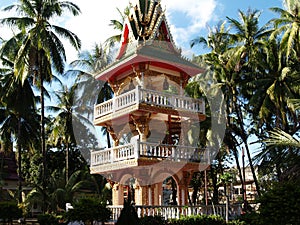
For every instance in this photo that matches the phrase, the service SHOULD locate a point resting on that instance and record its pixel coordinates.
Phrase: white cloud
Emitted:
(196, 14)
(92, 25)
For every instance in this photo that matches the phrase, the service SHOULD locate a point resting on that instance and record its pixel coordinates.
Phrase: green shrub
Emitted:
(128, 215)
(238, 222)
(281, 205)
(198, 220)
(252, 218)
(152, 220)
(88, 210)
(9, 211)
(47, 219)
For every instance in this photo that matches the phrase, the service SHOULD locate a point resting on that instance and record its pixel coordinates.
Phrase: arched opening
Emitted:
(170, 188)
(128, 183)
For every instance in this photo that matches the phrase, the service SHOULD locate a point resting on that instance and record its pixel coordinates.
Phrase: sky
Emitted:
(187, 19)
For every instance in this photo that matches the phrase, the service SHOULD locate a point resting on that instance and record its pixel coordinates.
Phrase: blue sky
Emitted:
(187, 19)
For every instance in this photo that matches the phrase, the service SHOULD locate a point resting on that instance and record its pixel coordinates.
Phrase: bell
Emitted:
(131, 85)
(165, 84)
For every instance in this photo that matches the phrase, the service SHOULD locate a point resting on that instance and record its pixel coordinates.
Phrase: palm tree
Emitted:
(218, 41)
(282, 149)
(90, 64)
(62, 133)
(245, 58)
(288, 25)
(59, 191)
(274, 86)
(279, 137)
(41, 48)
(246, 39)
(18, 115)
(117, 25)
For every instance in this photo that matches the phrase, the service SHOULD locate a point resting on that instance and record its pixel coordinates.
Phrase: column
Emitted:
(117, 194)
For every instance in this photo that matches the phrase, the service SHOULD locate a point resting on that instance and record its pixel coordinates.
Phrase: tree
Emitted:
(18, 116)
(275, 84)
(89, 64)
(245, 59)
(89, 210)
(288, 25)
(62, 133)
(59, 192)
(246, 40)
(41, 48)
(117, 25)
(225, 78)
(278, 205)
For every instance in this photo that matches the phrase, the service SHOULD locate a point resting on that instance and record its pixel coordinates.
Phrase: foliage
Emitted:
(251, 218)
(198, 220)
(152, 220)
(281, 204)
(59, 192)
(128, 215)
(9, 211)
(237, 222)
(88, 210)
(189, 220)
(47, 219)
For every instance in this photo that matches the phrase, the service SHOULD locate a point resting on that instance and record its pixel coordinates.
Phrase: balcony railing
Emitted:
(151, 97)
(173, 212)
(145, 149)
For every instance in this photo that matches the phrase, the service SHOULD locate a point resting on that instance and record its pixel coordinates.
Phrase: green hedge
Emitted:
(9, 211)
(189, 220)
(281, 205)
(199, 220)
(47, 219)
(152, 220)
(88, 210)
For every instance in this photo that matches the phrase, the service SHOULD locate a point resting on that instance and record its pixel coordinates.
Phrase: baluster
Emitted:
(112, 157)
(139, 212)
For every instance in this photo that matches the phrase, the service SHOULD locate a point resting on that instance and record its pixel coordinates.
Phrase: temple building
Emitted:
(149, 119)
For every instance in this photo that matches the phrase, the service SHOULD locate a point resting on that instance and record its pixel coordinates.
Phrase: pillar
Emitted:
(117, 194)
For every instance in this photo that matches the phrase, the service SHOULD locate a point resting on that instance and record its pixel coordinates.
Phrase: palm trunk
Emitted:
(244, 138)
(67, 163)
(214, 179)
(239, 169)
(43, 142)
(108, 139)
(19, 161)
(232, 144)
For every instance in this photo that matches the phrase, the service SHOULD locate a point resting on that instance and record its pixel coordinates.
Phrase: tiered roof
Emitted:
(147, 38)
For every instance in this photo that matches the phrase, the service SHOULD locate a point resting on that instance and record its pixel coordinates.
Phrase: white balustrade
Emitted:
(173, 212)
(111, 155)
(146, 149)
(173, 152)
(151, 97)
(104, 108)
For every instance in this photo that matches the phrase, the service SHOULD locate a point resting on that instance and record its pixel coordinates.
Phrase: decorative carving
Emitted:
(112, 133)
(142, 124)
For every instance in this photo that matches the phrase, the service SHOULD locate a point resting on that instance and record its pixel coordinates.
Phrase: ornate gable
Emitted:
(146, 23)
(146, 39)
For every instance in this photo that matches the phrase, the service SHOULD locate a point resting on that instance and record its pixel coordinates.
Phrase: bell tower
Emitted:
(149, 117)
